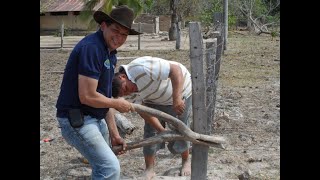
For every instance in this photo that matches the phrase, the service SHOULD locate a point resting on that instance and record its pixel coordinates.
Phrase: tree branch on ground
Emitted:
(181, 132)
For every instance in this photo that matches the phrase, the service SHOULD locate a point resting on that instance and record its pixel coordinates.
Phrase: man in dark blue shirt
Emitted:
(85, 104)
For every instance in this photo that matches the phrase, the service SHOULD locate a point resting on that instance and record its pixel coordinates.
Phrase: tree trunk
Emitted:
(178, 40)
(174, 20)
(173, 32)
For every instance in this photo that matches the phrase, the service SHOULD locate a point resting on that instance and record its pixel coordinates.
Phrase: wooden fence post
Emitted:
(199, 152)
(217, 21)
(219, 25)
(219, 53)
(217, 63)
(156, 24)
(225, 24)
(62, 33)
(211, 49)
(139, 26)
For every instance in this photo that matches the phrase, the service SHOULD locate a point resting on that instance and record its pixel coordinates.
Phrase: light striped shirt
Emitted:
(151, 75)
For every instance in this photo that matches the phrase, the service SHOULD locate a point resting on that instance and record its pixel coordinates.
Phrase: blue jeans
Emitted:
(92, 141)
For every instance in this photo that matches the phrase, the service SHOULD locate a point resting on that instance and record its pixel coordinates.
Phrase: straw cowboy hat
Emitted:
(122, 15)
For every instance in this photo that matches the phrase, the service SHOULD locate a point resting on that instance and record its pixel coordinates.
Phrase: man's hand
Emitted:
(178, 106)
(123, 105)
(116, 141)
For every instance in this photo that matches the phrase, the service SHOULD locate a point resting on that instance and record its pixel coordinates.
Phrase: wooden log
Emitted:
(124, 125)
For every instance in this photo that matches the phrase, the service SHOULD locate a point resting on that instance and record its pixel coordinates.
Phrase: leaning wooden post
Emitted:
(199, 152)
(62, 33)
(211, 49)
(139, 26)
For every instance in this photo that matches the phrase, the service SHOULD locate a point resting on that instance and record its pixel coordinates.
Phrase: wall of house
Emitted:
(51, 23)
(149, 23)
(164, 22)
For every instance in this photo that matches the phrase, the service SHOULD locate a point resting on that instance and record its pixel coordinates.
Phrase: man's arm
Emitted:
(115, 137)
(153, 121)
(89, 96)
(177, 81)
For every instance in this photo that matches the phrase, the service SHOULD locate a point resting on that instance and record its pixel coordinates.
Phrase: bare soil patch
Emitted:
(247, 115)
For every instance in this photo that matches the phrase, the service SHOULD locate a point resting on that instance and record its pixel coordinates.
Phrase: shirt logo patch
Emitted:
(107, 63)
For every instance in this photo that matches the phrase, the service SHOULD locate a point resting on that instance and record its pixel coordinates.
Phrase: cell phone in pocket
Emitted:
(76, 118)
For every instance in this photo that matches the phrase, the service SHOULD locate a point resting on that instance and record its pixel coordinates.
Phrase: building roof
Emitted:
(64, 5)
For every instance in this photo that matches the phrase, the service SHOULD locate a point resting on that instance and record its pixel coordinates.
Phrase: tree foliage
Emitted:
(86, 15)
(264, 11)
(260, 15)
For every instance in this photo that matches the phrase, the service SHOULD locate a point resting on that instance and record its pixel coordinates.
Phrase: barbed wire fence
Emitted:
(205, 66)
(206, 58)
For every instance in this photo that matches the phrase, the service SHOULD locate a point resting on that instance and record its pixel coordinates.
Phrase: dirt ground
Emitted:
(247, 113)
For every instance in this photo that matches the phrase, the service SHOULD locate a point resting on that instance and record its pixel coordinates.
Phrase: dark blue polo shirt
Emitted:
(91, 58)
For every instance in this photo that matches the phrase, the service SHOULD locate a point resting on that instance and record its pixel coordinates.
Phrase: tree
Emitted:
(86, 14)
(260, 14)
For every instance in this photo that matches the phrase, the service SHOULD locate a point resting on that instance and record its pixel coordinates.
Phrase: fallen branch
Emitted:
(179, 125)
(184, 132)
(165, 136)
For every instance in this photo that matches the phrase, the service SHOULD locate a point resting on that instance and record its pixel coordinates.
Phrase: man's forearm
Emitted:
(177, 81)
(112, 125)
(153, 121)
